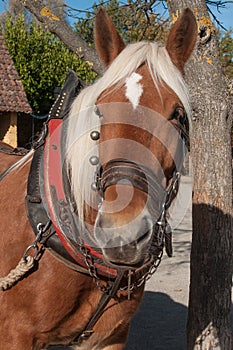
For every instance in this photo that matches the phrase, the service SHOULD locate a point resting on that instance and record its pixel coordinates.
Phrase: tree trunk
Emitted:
(59, 27)
(208, 324)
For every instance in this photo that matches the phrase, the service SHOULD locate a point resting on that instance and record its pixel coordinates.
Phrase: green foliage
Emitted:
(226, 53)
(41, 60)
(134, 22)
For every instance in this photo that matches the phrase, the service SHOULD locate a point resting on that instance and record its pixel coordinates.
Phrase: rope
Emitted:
(16, 274)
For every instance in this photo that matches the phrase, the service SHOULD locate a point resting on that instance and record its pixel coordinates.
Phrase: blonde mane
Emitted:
(83, 119)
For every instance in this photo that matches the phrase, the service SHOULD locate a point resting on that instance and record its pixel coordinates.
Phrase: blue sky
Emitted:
(225, 16)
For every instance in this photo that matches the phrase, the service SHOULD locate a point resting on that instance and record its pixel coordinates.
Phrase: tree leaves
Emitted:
(41, 60)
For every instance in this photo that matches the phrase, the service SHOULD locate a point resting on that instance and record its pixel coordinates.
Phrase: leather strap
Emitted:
(105, 298)
(139, 176)
(13, 152)
(19, 151)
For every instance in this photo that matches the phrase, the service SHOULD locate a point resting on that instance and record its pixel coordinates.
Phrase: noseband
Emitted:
(123, 171)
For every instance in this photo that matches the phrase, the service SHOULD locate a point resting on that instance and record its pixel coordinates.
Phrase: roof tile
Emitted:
(12, 95)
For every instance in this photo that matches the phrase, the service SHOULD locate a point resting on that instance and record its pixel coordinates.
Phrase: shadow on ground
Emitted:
(159, 325)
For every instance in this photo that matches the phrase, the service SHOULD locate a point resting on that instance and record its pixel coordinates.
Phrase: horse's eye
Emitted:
(178, 114)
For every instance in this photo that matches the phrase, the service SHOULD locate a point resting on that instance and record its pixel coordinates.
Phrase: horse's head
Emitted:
(142, 106)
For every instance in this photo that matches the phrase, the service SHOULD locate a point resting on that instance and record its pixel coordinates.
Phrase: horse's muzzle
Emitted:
(125, 246)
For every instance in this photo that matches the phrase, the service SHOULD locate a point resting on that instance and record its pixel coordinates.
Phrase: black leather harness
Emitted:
(35, 203)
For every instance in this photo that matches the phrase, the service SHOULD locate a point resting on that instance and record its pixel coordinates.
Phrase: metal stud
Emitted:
(97, 112)
(94, 186)
(94, 160)
(95, 135)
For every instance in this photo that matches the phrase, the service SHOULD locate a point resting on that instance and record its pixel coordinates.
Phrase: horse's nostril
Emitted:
(136, 232)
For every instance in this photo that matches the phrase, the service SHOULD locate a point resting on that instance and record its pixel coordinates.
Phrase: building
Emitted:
(15, 119)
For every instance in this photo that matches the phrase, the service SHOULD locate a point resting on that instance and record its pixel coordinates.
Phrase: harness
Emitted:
(51, 210)
(19, 151)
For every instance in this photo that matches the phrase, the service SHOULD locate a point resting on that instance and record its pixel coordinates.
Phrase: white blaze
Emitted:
(134, 90)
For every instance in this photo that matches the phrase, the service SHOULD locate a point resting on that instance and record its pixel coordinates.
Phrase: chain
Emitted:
(131, 286)
(151, 271)
(93, 270)
(105, 288)
(153, 268)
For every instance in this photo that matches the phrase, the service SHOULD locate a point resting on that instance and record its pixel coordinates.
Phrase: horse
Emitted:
(124, 140)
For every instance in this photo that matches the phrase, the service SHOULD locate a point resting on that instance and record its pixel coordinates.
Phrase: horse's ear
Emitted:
(182, 39)
(108, 42)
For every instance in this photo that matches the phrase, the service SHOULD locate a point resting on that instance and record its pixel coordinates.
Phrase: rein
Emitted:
(19, 151)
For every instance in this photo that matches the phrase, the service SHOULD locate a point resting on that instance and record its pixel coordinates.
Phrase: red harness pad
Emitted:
(58, 207)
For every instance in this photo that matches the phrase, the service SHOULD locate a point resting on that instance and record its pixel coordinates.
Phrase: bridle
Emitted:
(142, 177)
(139, 175)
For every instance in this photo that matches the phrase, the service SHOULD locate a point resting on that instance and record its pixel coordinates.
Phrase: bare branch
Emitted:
(59, 27)
(218, 4)
(215, 18)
